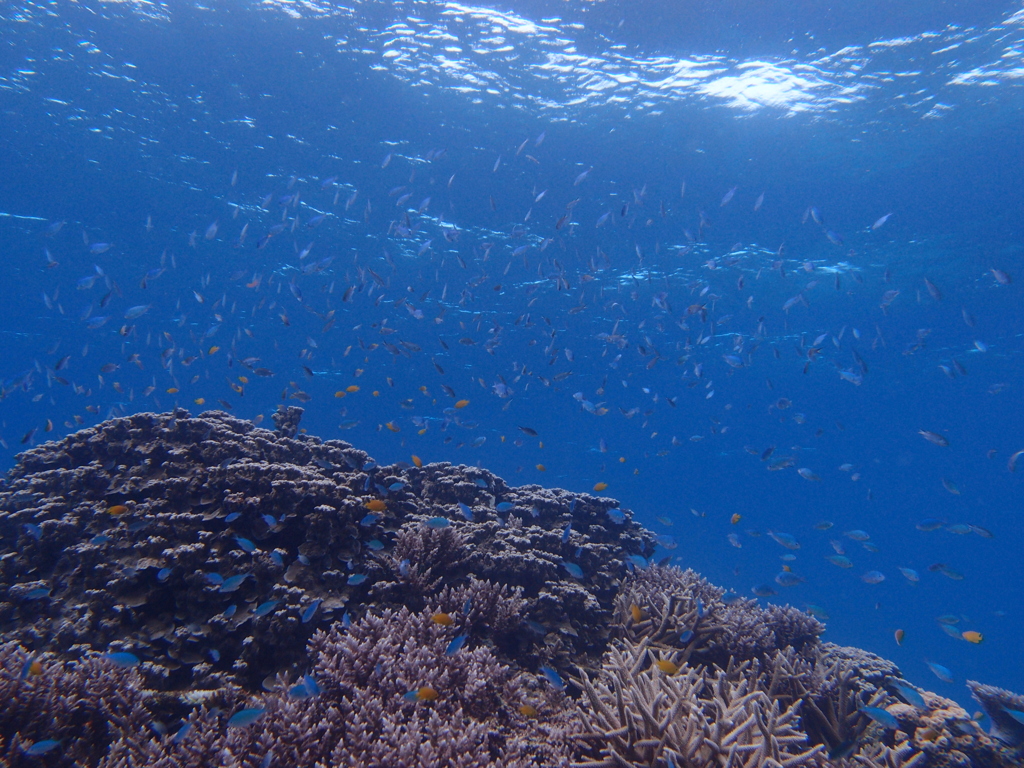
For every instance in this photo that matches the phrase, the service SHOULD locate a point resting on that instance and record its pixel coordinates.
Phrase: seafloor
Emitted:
(181, 590)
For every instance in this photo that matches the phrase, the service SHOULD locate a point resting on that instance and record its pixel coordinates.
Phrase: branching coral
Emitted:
(645, 714)
(83, 705)
(676, 608)
(224, 556)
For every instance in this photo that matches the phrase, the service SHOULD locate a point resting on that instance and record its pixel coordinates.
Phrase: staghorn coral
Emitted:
(362, 715)
(222, 555)
(640, 715)
(82, 704)
(679, 609)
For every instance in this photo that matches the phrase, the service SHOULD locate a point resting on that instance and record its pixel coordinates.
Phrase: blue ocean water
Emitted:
(729, 261)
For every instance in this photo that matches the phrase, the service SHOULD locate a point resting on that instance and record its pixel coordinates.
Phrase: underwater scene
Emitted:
(537, 383)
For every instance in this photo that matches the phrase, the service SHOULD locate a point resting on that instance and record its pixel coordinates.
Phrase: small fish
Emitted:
(873, 577)
(553, 677)
(940, 672)
(245, 544)
(934, 438)
(182, 732)
(972, 637)
(123, 659)
(666, 666)
(376, 505)
(444, 619)
(881, 716)
(573, 569)
(356, 579)
(788, 579)
(455, 645)
(1016, 714)
(909, 694)
(910, 574)
(899, 634)
(438, 522)
(31, 667)
(841, 561)
(466, 512)
(786, 540)
(310, 612)
(244, 717)
(426, 693)
(264, 608)
(504, 506)
(233, 583)
(881, 221)
(40, 747)
(598, 487)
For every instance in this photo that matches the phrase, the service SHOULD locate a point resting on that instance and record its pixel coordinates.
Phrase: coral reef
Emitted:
(180, 591)
(182, 539)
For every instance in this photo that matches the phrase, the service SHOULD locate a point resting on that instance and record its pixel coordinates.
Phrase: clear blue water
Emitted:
(141, 125)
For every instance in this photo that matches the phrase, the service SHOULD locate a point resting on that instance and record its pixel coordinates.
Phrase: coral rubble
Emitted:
(180, 591)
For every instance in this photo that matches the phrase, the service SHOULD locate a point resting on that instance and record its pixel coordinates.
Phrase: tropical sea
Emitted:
(754, 272)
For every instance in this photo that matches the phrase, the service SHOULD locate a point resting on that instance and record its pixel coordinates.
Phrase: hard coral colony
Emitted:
(195, 591)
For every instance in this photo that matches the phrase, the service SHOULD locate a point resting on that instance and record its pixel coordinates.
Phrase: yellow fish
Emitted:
(376, 505)
(600, 486)
(426, 693)
(527, 710)
(117, 509)
(444, 619)
(636, 613)
(416, 460)
(972, 637)
(462, 403)
(667, 666)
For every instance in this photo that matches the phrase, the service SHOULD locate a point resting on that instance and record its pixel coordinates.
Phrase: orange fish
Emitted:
(735, 518)
(899, 634)
(392, 426)
(117, 509)
(636, 612)
(667, 666)
(527, 710)
(542, 468)
(426, 693)
(352, 388)
(444, 619)
(376, 505)
(462, 403)
(972, 637)
(600, 486)
(416, 460)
